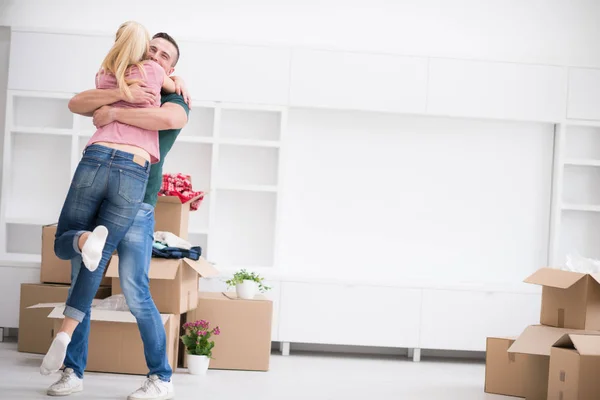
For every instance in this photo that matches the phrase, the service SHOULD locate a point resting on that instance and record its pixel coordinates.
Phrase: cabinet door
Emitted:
(584, 94)
(462, 320)
(349, 315)
(55, 62)
(235, 73)
(497, 90)
(358, 81)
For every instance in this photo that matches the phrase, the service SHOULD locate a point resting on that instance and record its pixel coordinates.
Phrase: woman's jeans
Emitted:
(107, 189)
(135, 252)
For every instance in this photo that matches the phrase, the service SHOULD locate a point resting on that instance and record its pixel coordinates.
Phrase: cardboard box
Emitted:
(574, 366)
(53, 269)
(504, 372)
(245, 339)
(569, 299)
(115, 345)
(170, 215)
(35, 329)
(173, 283)
(536, 344)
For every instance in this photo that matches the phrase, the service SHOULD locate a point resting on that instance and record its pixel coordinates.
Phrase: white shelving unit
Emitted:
(575, 220)
(232, 152)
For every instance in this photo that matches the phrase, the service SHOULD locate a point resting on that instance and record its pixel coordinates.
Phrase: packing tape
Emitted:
(563, 376)
(511, 357)
(561, 317)
(561, 395)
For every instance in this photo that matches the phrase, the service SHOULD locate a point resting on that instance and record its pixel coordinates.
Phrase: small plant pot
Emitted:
(197, 365)
(246, 290)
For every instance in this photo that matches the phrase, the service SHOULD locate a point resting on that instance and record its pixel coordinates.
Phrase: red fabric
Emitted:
(180, 185)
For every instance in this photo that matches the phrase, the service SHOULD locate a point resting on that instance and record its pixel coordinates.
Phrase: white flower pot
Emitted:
(246, 290)
(197, 365)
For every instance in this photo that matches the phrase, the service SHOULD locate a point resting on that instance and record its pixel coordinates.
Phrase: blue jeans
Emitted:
(135, 252)
(107, 189)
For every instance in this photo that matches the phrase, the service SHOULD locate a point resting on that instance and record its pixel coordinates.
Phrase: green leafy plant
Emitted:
(197, 338)
(244, 275)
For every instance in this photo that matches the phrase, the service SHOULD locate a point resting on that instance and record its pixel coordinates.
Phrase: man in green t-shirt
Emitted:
(135, 250)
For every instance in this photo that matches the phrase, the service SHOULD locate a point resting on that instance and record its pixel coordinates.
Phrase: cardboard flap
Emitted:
(596, 277)
(555, 278)
(47, 305)
(538, 340)
(113, 267)
(105, 315)
(586, 345)
(177, 200)
(202, 267)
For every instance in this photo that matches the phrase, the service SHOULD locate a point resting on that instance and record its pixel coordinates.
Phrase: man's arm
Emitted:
(85, 103)
(169, 116)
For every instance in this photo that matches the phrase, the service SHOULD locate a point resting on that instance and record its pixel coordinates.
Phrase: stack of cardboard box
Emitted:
(558, 359)
(114, 344)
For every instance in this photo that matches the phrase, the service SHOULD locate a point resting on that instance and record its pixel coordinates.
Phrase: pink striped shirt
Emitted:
(117, 132)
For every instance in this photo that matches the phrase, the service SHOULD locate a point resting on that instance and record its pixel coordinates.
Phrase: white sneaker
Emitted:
(67, 384)
(154, 389)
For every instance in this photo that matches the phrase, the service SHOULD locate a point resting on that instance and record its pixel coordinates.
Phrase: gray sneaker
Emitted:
(68, 383)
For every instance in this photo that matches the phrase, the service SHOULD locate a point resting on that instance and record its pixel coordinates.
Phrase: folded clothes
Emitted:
(171, 240)
(175, 252)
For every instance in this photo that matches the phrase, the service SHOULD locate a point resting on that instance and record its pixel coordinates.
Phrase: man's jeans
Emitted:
(134, 251)
(107, 189)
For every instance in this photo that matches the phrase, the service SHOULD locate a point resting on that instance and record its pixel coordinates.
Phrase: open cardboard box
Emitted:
(536, 344)
(171, 215)
(115, 344)
(36, 331)
(569, 299)
(504, 371)
(173, 282)
(574, 366)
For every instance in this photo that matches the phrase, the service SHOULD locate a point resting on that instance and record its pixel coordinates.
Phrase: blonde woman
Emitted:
(109, 183)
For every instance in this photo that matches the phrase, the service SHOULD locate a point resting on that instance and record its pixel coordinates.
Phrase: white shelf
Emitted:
(42, 131)
(249, 188)
(583, 122)
(250, 142)
(582, 162)
(581, 207)
(29, 221)
(195, 139)
(18, 260)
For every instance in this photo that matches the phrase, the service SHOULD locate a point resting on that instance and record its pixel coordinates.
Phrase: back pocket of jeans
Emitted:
(85, 174)
(132, 187)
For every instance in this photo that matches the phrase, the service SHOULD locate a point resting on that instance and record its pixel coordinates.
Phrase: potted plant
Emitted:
(198, 345)
(246, 283)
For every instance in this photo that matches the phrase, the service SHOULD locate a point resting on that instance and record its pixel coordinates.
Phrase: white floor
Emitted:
(299, 376)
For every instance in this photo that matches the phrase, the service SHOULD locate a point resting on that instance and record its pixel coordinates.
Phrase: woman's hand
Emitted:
(141, 94)
(181, 89)
(104, 116)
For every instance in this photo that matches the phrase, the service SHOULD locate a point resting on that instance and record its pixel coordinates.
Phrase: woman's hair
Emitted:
(130, 48)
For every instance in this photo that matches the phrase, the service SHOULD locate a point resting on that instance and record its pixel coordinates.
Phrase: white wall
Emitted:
(560, 32)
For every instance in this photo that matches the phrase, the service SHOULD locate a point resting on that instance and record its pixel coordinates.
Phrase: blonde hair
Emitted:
(131, 48)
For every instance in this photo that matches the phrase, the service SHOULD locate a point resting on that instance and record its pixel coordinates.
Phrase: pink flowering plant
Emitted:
(197, 338)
